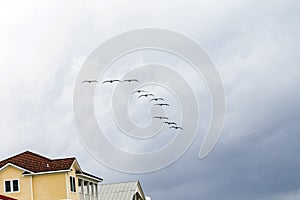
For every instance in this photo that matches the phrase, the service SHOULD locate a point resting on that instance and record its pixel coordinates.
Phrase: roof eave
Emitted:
(16, 166)
(90, 177)
(47, 172)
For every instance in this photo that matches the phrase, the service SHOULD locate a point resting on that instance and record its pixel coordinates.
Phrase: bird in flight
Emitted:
(159, 117)
(110, 81)
(139, 91)
(161, 104)
(176, 127)
(156, 99)
(146, 95)
(170, 123)
(130, 80)
(89, 81)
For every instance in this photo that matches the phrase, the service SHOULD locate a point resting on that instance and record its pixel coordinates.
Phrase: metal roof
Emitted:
(120, 191)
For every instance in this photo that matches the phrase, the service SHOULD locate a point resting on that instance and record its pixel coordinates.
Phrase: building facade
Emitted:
(29, 176)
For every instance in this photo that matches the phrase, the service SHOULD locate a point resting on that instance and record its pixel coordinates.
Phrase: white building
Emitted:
(122, 191)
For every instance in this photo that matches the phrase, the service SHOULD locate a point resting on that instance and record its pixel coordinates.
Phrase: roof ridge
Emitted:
(136, 181)
(38, 155)
(63, 159)
(22, 153)
(35, 154)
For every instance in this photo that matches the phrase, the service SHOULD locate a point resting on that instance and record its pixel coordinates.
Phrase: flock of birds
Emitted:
(158, 101)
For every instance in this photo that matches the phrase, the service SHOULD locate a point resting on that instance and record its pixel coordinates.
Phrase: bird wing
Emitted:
(158, 117)
(129, 80)
(90, 81)
(143, 95)
(138, 91)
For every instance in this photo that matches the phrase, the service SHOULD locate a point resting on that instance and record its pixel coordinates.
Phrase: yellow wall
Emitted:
(49, 186)
(24, 182)
(52, 186)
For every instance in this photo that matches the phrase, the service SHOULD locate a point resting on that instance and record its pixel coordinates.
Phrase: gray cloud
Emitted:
(254, 45)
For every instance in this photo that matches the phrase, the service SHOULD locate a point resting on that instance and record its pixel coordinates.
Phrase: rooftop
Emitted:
(34, 163)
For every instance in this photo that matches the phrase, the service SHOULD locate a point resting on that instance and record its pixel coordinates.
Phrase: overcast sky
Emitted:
(254, 45)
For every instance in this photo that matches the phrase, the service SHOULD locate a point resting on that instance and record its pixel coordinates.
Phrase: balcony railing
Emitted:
(87, 197)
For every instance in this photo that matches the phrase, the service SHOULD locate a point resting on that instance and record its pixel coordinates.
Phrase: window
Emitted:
(72, 184)
(11, 186)
(15, 185)
(7, 186)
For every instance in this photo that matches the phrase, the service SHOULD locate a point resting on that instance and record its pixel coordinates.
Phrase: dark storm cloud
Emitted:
(255, 46)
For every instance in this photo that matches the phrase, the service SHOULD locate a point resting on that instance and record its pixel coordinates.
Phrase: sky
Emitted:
(253, 44)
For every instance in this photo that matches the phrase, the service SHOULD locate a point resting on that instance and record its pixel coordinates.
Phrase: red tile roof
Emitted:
(2, 197)
(36, 163)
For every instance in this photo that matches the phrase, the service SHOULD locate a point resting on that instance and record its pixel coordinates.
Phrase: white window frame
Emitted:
(11, 185)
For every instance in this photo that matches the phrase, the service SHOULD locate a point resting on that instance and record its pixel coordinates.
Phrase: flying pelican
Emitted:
(156, 99)
(130, 80)
(110, 81)
(159, 117)
(170, 123)
(161, 104)
(146, 95)
(90, 81)
(139, 91)
(176, 127)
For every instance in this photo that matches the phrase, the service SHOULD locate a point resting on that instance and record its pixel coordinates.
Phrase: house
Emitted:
(29, 176)
(121, 191)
